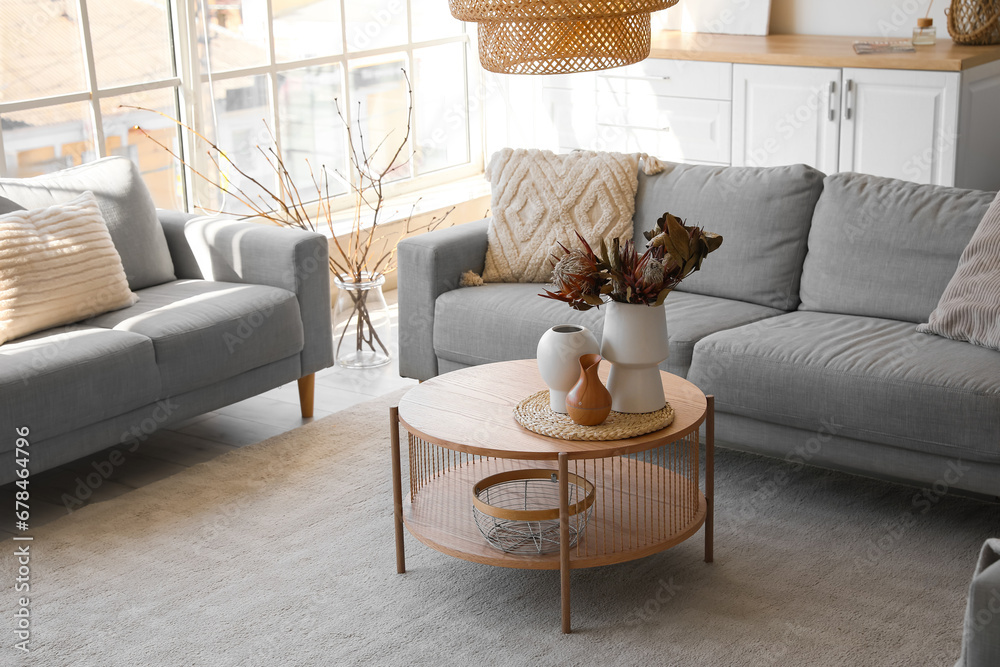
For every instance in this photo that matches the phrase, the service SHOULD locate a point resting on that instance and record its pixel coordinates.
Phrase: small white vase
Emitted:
(558, 353)
(635, 342)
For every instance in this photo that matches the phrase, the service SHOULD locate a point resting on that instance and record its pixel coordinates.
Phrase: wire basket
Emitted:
(974, 22)
(517, 511)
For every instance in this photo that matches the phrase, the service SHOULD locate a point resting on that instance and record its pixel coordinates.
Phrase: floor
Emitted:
(60, 491)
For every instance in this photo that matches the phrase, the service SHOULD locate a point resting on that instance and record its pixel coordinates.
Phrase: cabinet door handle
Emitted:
(833, 91)
(849, 100)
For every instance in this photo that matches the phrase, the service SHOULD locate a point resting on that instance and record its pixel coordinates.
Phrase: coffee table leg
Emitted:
(397, 489)
(564, 538)
(709, 479)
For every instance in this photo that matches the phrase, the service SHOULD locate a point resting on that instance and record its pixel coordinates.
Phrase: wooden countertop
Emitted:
(816, 51)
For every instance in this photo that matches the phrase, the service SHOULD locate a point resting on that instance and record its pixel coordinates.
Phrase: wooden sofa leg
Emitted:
(307, 387)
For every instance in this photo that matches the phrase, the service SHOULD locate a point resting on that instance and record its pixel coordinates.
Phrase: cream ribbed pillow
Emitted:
(57, 266)
(969, 309)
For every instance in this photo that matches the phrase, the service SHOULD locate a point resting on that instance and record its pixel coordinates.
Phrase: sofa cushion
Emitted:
(125, 203)
(6, 206)
(62, 379)
(477, 325)
(886, 248)
(969, 309)
(866, 378)
(763, 214)
(57, 266)
(204, 331)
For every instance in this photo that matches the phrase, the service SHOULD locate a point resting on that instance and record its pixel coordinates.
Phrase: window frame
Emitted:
(190, 81)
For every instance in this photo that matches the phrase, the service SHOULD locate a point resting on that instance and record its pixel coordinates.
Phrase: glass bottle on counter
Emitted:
(925, 34)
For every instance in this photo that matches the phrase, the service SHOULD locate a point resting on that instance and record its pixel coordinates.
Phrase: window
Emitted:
(246, 73)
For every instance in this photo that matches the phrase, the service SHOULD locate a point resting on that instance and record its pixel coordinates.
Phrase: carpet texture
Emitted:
(282, 554)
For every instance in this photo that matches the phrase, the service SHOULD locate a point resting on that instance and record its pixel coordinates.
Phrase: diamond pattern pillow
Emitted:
(969, 309)
(540, 199)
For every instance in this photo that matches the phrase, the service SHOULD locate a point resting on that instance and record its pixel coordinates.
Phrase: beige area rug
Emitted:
(282, 554)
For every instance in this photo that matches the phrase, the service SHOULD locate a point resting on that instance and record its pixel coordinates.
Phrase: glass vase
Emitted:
(362, 328)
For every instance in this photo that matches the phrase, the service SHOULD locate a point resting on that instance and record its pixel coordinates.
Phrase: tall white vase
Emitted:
(635, 342)
(559, 351)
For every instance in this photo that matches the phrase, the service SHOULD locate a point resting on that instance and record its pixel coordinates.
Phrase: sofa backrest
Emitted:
(881, 247)
(763, 215)
(126, 206)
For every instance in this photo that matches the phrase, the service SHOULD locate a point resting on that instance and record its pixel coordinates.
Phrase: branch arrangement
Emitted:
(368, 252)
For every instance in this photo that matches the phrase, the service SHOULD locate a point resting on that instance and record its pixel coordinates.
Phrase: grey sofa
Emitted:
(227, 310)
(802, 325)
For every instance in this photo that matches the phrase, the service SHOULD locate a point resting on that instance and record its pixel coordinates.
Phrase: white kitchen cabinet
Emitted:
(895, 123)
(930, 117)
(786, 115)
(566, 121)
(900, 124)
(678, 110)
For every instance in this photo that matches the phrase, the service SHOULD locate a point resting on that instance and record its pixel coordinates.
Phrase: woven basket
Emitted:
(559, 36)
(558, 47)
(975, 22)
(550, 10)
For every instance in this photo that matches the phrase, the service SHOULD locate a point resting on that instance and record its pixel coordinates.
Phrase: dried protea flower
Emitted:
(576, 274)
(618, 289)
(652, 273)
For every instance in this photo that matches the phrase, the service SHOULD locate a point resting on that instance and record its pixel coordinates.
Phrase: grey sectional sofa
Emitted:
(802, 325)
(227, 310)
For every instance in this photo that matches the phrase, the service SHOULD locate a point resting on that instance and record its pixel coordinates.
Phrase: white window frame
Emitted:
(189, 81)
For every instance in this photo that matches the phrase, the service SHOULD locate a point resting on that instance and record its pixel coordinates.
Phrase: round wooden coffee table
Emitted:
(461, 429)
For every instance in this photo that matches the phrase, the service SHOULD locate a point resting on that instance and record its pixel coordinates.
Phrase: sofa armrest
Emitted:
(430, 265)
(228, 250)
(185, 263)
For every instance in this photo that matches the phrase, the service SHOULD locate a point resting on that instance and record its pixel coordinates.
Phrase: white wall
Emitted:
(863, 18)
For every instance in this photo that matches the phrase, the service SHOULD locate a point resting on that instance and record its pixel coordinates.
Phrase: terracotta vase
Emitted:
(588, 402)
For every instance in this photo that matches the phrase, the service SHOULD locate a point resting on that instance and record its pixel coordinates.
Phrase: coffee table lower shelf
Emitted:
(659, 509)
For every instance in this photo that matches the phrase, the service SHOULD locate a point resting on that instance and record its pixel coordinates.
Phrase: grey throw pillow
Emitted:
(981, 637)
(969, 309)
(7, 206)
(126, 206)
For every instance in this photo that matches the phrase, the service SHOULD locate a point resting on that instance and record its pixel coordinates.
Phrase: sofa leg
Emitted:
(307, 387)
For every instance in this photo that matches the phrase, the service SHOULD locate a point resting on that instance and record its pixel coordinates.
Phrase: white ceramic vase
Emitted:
(635, 342)
(558, 353)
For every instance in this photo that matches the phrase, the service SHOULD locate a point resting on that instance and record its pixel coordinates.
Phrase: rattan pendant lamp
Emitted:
(559, 36)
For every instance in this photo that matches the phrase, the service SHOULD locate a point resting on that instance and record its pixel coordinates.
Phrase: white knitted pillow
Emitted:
(540, 199)
(57, 266)
(969, 309)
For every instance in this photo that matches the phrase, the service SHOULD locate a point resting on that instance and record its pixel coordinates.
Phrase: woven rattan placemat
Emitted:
(534, 414)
